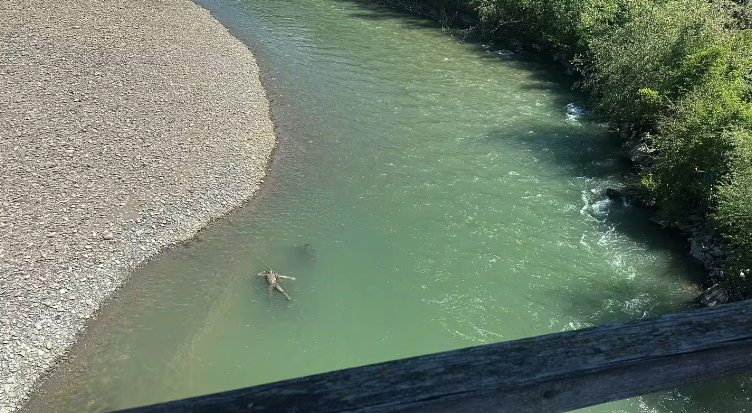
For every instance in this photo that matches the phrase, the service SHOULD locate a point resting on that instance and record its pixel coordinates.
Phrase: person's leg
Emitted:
(283, 292)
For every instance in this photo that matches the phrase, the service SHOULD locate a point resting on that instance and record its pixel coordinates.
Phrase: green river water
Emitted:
(454, 197)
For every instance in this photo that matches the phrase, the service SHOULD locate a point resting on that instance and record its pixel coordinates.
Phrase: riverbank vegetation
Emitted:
(677, 73)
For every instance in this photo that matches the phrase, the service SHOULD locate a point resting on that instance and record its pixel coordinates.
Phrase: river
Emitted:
(453, 194)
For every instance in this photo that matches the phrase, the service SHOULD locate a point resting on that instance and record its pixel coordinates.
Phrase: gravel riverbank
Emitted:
(125, 126)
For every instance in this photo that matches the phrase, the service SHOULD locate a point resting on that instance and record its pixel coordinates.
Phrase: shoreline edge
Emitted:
(125, 128)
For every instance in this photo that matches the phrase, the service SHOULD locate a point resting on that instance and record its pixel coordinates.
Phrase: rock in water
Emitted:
(698, 255)
(613, 193)
(659, 221)
(714, 295)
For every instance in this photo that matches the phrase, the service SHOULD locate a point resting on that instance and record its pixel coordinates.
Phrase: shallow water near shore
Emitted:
(452, 192)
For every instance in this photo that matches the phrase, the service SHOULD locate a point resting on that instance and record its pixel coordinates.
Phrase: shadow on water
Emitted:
(388, 13)
(603, 164)
(607, 165)
(547, 74)
(574, 152)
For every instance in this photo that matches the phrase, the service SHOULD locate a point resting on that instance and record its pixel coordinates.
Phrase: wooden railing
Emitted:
(551, 373)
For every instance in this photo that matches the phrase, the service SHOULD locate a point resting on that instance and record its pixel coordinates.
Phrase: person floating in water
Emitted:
(272, 278)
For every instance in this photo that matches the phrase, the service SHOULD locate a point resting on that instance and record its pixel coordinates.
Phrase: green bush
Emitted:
(734, 212)
(696, 147)
(649, 52)
(650, 103)
(551, 24)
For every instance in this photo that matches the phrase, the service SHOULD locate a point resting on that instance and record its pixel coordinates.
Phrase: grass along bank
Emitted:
(674, 77)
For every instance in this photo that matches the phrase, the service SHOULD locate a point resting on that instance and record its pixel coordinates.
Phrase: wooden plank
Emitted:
(551, 373)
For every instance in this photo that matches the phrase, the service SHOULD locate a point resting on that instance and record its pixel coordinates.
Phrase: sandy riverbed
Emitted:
(125, 126)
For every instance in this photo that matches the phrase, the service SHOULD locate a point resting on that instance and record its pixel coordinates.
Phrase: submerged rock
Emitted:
(628, 198)
(698, 255)
(309, 252)
(613, 193)
(660, 221)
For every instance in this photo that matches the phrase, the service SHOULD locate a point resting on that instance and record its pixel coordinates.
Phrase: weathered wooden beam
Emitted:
(551, 373)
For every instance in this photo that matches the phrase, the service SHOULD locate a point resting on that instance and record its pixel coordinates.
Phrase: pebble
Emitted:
(108, 236)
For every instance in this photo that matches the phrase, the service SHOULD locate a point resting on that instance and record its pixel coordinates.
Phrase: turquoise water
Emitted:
(453, 193)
